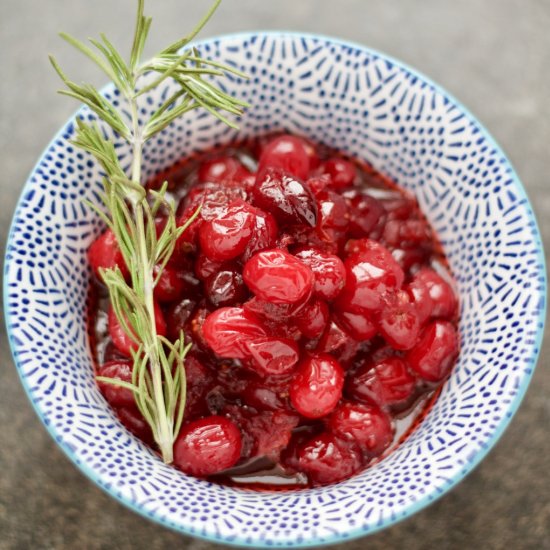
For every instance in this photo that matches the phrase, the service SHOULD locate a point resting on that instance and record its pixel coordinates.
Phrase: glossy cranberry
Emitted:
(287, 153)
(359, 326)
(398, 206)
(406, 233)
(104, 253)
(398, 322)
(317, 387)
(133, 421)
(443, 300)
(342, 172)
(366, 425)
(222, 170)
(225, 288)
(125, 343)
(276, 317)
(327, 459)
(387, 382)
(264, 233)
(420, 296)
(117, 396)
(339, 343)
(199, 381)
(413, 258)
(312, 319)
(272, 356)
(177, 316)
(277, 276)
(263, 396)
(436, 351)
(287, 198)
(328, 270)
(371, 272)
(205, 267)
(228, 329)
(333, 211)
(318, 184)
(207, 446)
(171, 284)
(366, 214)
(227, 236)
(194, 330)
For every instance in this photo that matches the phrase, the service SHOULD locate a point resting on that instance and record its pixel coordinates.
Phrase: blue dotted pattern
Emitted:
(370, 107)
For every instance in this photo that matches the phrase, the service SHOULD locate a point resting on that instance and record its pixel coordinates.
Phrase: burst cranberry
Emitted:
(287, 198)
(133, 421)
(272, 356)
(222, 170)
(371, 272)
(435, 352)
(406, 233)
(227, 236)
(104, 253)
(312, 319)
(287, 153)
(366, 214)
(225, 288)
(177, 316)
(387, 382)
(264, 233)
(442, 297)
(339, 343)
(366, 425)
(342, 172)
(207, 446)
(265, 396)
(199, 381)
(398, 321)
(117, 396)
(318, 184)
(328, 270)
(318, 385)
(195, 325)
(205, 267)
(359, 326)
(326, 459)
(125, 343)
(398, 206)
(227, 330)
(277, 276)
(420, 297)
(171, 284)
(333, 211)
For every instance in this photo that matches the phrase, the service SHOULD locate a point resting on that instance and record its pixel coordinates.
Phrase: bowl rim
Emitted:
(427, 499)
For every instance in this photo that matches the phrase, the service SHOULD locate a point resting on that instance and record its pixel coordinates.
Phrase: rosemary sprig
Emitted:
(158, 379)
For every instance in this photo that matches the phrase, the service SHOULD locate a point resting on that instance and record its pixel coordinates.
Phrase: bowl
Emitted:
(371, 107)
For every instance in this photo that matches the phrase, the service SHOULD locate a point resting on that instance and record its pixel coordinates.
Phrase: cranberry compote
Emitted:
(320, 310)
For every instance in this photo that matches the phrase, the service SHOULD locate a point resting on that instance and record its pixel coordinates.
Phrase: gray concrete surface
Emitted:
(492, 54)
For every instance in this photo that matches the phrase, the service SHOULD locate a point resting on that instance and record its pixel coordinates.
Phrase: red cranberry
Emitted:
(326, 459)
(222, 170)
(342, 172)
(387, 382)
(125, 343)
(199, 381)
(333, 211)
(276, 317)
(171, 284)
(273, 356)
(366, 214)
(328, 270)
(398, 322)
(359, 326)
(420, 297)
(177, 316)
(205, 267)
(195, 326)
(263, 396)
(287, 153)
(371, 272)
(228, 329)
(312, 319)
(207, 446)
(277, 276)
(318, 184)
(227, 236)
(287, 198)
(317, 387)
(264, 233)
(436, 351)
(117, 396)
(399, 207)
(225, 288)
(442, 297)
(339, 343)
(133, 421)
(406, 233)
(366, 425)
(411, 259)
(104, 253)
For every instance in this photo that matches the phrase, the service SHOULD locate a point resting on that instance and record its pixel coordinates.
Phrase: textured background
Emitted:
(492, 55)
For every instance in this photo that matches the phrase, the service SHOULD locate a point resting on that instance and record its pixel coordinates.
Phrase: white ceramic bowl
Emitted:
(366, 105)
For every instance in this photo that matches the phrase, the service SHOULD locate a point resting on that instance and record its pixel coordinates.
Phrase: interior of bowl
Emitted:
(376, 110)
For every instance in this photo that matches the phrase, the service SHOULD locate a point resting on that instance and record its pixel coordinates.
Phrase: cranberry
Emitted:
(398, 322)
(125, 343)
(317, 388)
(370, 272)
(366, 214)
(342, 172)
(195, 327)
(435, 352)
(133, 421)
(227, 236)
(287, 198)
(339, 343)
(359, 326)
(222, 170)
(205, 267)
(117, 396)
(199, 381)
(264, 233)
(207, 446)
(420, 297)
(366, 425)
(272, 356)
(277, 276)
(333, 211)
(225, 288)
(287, 153)
(412, 259)
(441, 296)
(406, 233)
(275, 317)
(312, 319)
(318, 184)
(104, 253)
(387, 382)
(177, 316)
(264, 396)
(326, 459)
(227, 330)
(328, 270)
(399, 207)
(171, 284)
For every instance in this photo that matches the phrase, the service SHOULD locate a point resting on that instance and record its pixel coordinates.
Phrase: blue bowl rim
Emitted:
(427, 499)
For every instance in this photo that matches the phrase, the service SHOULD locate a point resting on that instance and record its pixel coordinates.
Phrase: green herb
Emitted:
(158, 380)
